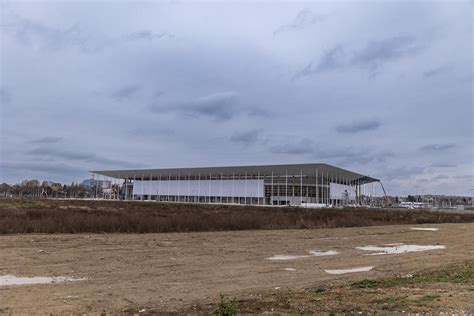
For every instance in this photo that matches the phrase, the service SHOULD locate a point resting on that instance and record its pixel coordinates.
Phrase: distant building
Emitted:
(56, 187)
(101, 184)
(311, 185)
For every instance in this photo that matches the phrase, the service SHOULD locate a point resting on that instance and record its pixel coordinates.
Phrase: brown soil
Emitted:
(186, 272)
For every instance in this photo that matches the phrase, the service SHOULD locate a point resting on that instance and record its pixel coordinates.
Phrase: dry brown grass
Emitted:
(56, 216)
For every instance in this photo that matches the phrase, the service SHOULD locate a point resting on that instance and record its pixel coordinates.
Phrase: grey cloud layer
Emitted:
(371, 57)
(46, 140)
(147, 35)
(51, 152)
(37, 34)
(125, 93)
(437, 147)
(304, 18)
(221, 106)
(188, 84)
(343, 155)
(5, 96)
(247, 137)
(359, 126)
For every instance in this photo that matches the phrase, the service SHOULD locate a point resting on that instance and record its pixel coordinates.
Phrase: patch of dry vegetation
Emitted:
(58, 216)
(449, 290)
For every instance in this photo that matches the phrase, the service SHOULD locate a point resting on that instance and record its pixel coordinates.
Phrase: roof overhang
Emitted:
(312, 169)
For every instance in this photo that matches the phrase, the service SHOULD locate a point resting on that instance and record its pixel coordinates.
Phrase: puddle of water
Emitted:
(289, 269)
(399, 249)
(318, 253)
(13, 280)
(424, 228)
(394, 244)
(286, 257)
(353, 270)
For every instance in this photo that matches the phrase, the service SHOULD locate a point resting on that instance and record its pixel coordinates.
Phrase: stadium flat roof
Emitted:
(263, 170)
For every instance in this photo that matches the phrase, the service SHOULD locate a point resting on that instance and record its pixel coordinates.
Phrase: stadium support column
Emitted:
(221, 188)
(187, 198)
(199, 188)
(316, 193)
(151, 179)
(271, 196)
(209, 193)
(168, 193)
(301, 187)
(179, 180)
(126, 188)
(331, 194)
(346, 196)
(286, 187)
(142, 195)
(326, 184)
(233, 187)
(133, 187)
(159, 188)
(358, 192)
(117, 197)
(307, 188)
(245, 188)
(323, 189)
(258, 188)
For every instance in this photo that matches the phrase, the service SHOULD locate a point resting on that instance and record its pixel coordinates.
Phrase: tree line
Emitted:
(35, 188)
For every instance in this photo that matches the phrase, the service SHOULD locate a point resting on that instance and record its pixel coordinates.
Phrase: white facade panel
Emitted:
(342, 192)
(226, 188)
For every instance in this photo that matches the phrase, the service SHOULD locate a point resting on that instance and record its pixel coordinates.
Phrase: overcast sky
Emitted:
(382, 88)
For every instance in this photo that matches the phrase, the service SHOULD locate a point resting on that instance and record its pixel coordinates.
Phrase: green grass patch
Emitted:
(463, 273)
(320, 290)
(392, 302)
(226, 307)
(374, 283)
(23, 204)
(427, 298)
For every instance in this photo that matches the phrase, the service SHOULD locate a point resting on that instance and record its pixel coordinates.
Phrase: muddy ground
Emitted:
(186, 272)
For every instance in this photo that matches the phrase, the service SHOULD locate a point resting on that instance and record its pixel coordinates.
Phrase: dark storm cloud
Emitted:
(247, 137)
(55, 153)
(437, 147)
(5, 96)
(356, 127)
(126, 93)
(435, 71)
(46, 140)
(304, 18)
(148, 35)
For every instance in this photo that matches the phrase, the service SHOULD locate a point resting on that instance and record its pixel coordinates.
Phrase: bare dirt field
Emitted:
(186, 272)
